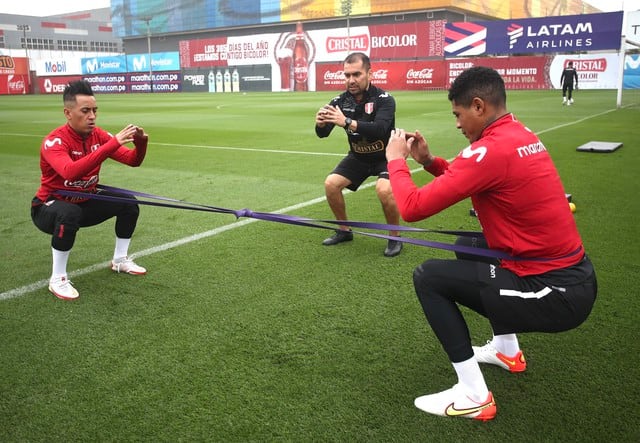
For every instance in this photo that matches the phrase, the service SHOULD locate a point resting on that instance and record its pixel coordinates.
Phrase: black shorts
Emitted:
(552, 302)
(357, 171)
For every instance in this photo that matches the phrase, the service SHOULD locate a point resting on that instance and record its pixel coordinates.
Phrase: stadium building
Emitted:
(270, 45)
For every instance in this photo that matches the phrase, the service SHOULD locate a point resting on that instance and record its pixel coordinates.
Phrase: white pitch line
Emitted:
(231, 148)
(17, 292)
(564, 125)
(228, 148)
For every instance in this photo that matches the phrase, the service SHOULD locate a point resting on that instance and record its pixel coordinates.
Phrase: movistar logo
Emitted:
(139, 64)
(91, 65)
(51, 143)
(469, 152)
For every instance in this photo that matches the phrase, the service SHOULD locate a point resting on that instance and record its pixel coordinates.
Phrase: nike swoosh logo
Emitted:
(507, 361)
(51, 143)
(451, 410)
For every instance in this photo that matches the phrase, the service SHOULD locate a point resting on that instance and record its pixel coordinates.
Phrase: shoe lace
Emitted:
(63, 283)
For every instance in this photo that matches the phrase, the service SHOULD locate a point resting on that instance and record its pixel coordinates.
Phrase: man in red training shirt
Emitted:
(70, 159)
(548, 286)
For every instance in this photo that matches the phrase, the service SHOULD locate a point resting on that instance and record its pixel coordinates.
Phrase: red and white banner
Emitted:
(55, 85)
(228, 51)
(418, 75)
(595, 71)
(517, 72)
(529, 72)
(14, 84)
(14, 65)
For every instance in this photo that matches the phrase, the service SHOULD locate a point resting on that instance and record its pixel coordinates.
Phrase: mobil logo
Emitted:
(55, 67)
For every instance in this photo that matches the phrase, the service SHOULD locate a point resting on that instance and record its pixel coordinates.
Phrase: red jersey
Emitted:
(515, 190)
(71, 162)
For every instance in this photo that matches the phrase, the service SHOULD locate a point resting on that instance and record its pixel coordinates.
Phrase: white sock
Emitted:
(470, 377)
(506, 344)
(122, 248)
(60, 259)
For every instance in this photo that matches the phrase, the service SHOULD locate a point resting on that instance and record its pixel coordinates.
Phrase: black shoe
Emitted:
(339, 237)
(393, 248)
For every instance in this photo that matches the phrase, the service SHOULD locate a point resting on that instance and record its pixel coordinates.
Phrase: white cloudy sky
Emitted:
(53, 7)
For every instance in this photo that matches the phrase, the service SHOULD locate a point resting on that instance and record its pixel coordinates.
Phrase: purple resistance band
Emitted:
(313, 223)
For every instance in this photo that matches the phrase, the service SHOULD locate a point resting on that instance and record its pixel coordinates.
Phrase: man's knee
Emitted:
(424, 273)
(335, 183)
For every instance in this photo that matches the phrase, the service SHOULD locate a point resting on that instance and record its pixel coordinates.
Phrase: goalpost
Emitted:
(629, 85)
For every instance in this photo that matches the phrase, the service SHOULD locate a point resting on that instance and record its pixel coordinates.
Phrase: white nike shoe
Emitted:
(489, 354)
(455, 403)
(126, 265)
(62, 288)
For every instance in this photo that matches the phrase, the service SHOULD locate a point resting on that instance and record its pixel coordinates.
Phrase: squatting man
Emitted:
(547, 284)
(70, 160)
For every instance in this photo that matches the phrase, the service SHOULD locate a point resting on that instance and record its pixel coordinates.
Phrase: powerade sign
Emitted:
(104, 65)
(160, 61)
(589, 32)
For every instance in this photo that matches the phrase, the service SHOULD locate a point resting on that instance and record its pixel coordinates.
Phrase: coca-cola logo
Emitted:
(333, 76)
(348, 43)
(593, 65)
(300, 71)
(426, 73)
(15, 85)
(380, 74)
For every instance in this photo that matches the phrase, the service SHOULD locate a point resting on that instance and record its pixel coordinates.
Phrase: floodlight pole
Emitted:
(24, 29)
(347, 5)
(147, 20)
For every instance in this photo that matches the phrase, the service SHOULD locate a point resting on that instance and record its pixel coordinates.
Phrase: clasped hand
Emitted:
(330, 114)
(402, 144)
(130, 133)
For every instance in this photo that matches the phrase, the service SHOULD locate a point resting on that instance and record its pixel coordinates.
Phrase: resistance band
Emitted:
(128, 196)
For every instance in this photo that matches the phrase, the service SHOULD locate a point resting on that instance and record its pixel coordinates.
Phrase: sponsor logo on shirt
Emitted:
(51, 143)
(470, 152)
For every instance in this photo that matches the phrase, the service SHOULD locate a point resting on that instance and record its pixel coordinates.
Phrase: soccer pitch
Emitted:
(248, 330)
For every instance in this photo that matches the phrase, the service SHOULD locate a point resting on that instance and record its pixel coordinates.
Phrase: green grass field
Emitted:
(247, 330)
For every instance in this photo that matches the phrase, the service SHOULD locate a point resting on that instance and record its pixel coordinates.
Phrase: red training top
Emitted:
(515, 190)
(71, 162)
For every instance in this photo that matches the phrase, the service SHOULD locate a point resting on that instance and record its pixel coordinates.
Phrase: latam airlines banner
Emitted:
(590, 32)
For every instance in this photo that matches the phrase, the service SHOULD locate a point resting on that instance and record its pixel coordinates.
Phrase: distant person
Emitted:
(569, 80)
(70, 159)
(521, 205)
(367, 114)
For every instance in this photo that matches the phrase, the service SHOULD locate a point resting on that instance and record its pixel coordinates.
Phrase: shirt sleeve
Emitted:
(454, 182)
(437, 167)
(55, 151)
(324, 131)
(131, 157)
